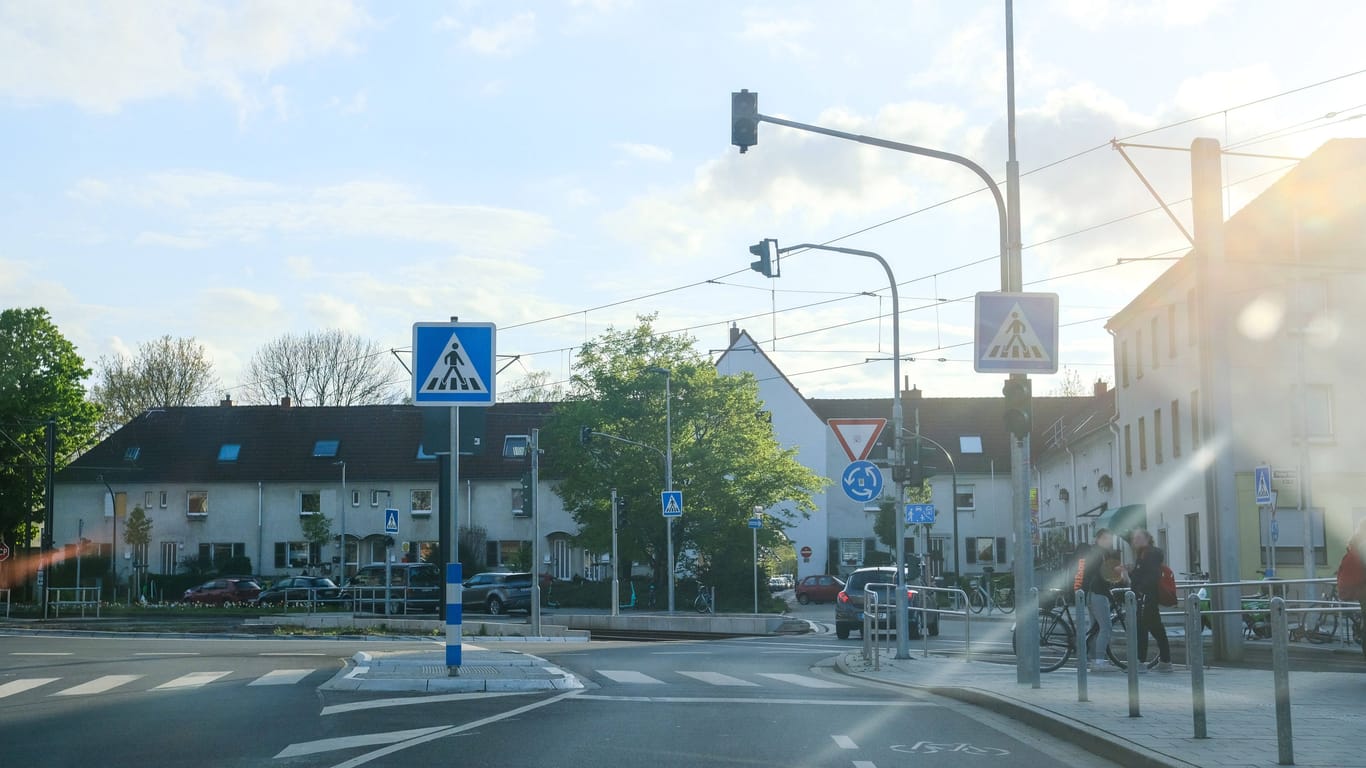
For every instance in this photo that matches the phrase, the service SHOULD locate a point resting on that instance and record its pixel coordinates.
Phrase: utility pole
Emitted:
(536, 534)
(1216, 409)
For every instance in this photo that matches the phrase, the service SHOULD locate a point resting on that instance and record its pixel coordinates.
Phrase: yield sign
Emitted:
(857, 436)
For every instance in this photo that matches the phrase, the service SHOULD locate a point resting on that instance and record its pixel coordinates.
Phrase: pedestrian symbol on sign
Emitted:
(454, 373)
(1262, 480)
(1016, 340)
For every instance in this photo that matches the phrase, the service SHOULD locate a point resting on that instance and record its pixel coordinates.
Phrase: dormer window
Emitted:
(326, 449)
(229, 451)
(132, 453)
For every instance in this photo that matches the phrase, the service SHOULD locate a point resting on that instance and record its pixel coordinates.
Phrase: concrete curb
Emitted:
(1089, 737)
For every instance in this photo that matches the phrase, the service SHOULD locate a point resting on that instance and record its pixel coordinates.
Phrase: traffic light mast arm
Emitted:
(628, 442)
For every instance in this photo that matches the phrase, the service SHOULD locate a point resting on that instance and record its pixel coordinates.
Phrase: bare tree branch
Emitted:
(329, 367)
(164, 373)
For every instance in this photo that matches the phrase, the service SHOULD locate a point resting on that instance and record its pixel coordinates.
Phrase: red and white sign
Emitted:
(857, 436)
(4, 551)
(806, 552)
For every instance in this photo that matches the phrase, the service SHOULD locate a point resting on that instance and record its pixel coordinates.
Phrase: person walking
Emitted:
(1352, 576)
(1143, 578)
(1099, 574)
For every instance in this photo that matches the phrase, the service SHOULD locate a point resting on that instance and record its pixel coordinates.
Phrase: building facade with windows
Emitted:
(1292, 285)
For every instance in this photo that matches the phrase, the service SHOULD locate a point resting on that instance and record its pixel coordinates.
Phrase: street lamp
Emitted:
(342, 515)
(771, 248)
(668, 470)
(113, 539)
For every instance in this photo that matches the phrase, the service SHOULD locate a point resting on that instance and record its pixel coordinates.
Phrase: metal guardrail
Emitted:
(307, 598)
(389, 600)
(872, 609)
(80, 597)
(923, 592)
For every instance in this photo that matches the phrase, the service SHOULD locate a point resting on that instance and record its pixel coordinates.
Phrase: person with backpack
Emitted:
(1352, 573)
(1146, 577)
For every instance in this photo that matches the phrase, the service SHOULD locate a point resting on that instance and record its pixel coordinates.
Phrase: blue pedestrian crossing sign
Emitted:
(919, 514)
(453, 363)
(1016, 333)
(1261, 477)
(672, 503)
(391, 522)
(862, 481)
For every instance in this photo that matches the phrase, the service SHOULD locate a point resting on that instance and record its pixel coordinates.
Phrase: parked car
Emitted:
(300, 589)
(849, 603)
(777, 583)
(413, 588)
(818, 589)
(221, 591)
(498, 593)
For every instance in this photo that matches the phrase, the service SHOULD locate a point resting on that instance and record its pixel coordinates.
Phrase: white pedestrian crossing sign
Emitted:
(391, 522)
(1261, 476)
(1016, 333)
(672, 503)
(453, 363)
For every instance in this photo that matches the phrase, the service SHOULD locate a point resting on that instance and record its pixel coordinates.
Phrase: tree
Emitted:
(726, 459)
(535, 387)
(41, 377)
(164, 373)
(317, 529)
(884, 525)
(329, 367)
(137, 533)
(1070, 385)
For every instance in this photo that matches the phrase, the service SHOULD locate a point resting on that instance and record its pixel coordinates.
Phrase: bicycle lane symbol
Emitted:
(931, 748)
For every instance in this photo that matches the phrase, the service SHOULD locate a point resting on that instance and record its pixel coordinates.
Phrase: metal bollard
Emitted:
(1131, 648)
(1080, 631)
(967, 627)
(924, 625)
(1195, 659)
(867, 636)
(1280, 673)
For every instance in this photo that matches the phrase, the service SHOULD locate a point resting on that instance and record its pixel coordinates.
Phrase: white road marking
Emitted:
(680, 653)
(167, 653)
(844, 742)
(356, 706)
(281, 677)
(864, 764)
(19, 686)
(192, 680)
(357, 671)
(723, 700)
(629, 676)
(41, 653)
(98, 685)
(716, 678)
(802, 680)
(291, 653)
(349, 742)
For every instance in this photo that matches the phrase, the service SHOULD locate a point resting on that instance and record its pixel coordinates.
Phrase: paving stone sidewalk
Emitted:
(483, 670)
(1328, 715)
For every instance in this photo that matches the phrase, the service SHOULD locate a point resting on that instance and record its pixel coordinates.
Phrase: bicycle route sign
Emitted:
(862, 481)
(919, 514)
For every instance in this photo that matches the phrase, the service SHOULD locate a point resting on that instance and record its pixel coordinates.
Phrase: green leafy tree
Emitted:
(41, 377)
(317, 529)
(137, 528)
(163, 373)
(725, 457)
(884, 525)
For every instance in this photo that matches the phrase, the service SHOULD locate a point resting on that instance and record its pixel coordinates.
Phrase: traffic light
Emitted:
(1018, 406)
(622, 507)
(585, 435)
(744, 119)
(767, 251)
(527, 497)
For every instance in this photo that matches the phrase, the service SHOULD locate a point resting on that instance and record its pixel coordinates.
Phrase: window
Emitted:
(1128, 452)
(229, 451)
(1171, 335)
(163, 499)
(851, 551)
(1176, 429)
(218, 554)
(374, 498)
(296, 554)
(197, 503)
(1124, 362)
(421, 501)
(1142, 444)
(1195, 419)
(985, 549)
(1157, 435)
(132, 453)
(1192, 318)
(147, 501)
(519, 505)
(970, 444)
(966, 498)
(310, 502)
(1152, 333)
(326, 448)
(1138, 354)
(422, 454)
(355, 498)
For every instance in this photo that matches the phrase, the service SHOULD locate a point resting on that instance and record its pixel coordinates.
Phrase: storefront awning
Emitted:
(1123, 519)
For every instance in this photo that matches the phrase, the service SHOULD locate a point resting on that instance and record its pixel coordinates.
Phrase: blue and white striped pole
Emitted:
(453, 617)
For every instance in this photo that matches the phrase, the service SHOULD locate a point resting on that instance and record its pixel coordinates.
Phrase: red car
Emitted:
(818, 589)
(221, 591)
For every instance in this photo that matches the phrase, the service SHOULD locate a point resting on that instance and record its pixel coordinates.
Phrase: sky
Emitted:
(236, 171)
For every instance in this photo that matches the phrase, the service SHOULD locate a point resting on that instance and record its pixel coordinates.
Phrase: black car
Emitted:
(498, 593)
(301, 589)
(412, 588)
(850, 601)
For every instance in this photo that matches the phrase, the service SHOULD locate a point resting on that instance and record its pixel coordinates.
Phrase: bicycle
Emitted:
(1058, 632)
(1001, 598)
(1320, 625)
(703, 603)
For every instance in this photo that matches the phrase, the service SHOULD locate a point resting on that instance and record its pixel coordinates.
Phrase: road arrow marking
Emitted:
(351, 742)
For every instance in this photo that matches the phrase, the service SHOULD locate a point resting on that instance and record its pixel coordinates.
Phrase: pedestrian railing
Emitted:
(69, 597)
(306, 598)
(5, 594)
(873, 617)
(923, 595)
(396, 599)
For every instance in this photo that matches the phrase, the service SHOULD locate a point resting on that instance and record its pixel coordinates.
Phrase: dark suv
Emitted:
(413, 588)
(498, 593)
(849, 602)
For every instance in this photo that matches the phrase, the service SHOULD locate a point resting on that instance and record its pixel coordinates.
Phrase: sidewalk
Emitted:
(1326, 710)
(483, 670)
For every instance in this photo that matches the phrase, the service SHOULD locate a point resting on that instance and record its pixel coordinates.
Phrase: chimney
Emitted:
(734, 334)
(284, 401)
(909, 391)
(226, 402)
(1100, 388)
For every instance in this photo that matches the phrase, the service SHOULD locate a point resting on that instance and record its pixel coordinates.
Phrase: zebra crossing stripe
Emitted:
(19, 686)
(98, 685)
(629, 676)
(281, 677)
(802, 680)
(192, 680)
(716, 678)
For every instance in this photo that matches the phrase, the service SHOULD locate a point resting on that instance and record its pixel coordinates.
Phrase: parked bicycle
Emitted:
(991, 595)
(1058, 632)
(1320, 625)
(704, 603)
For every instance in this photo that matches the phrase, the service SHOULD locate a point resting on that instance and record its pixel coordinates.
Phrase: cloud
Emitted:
(503, 38)
(647, 152)
(334, 312)
(782, 34)
(163, 240)
(1097, 14)
(102, 56)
